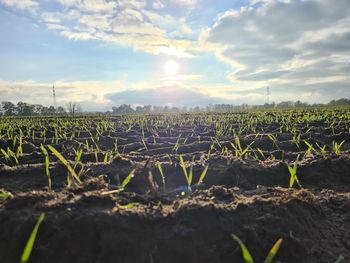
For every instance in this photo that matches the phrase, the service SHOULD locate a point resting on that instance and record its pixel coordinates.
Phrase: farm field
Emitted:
(175, 187)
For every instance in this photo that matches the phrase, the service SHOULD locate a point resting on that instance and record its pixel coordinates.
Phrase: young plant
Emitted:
(322, 149)
(47, 164)
(337, 146)
(19, 151)
(106, 159)
(72, 174)
(239, 151)
(274, 140)
(10, 157)
(293, 174)
(204, 173)
(310, 148)
(13, 155)
(248, 257)
(125, 182)
(30, 243)
(261, 153)
(160, 169)
(5, 195)
(187, 175)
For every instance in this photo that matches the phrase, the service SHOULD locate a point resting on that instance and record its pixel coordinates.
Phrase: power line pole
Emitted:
(54, 96)
(268, 95)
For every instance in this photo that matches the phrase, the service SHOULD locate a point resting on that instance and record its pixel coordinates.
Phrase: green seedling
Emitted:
(261, 153)
(47, 164)
(160, 169)
(293, 174)
(72, 174)
(337, 147)
(187, 175)
(106, 159)
(322, 149)
(239, 151)
(247, 257)
(204, 173)
(5, 195)
(10, 157)
(121, 188)
(30, 243)
(310, 148)
(274, 140)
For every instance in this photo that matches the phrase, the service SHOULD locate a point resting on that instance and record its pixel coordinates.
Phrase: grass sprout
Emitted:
(247, 257)
(204, 173)
(5, 195)
(47, 164)
(30, 243)
(66, 163)
(293, 174)
(121, 188)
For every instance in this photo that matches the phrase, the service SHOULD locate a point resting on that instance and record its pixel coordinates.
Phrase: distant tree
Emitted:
(299, 104)
(124, 109)
(285, 104)
(267, 106)
(157, 108)
(44, 110)
(340, 102)
(147, 108)
(8, 108)
(25, 109)
(174, 109)
(139, 109)
(74, 107)
(60, 110)
(51, 110)
(197, 109)
(37, 109)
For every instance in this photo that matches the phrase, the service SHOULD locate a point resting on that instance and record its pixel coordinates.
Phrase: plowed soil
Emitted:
(151, 222)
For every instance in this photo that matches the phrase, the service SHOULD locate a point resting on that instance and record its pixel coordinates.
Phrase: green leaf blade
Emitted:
(30, 243)
(245, 252)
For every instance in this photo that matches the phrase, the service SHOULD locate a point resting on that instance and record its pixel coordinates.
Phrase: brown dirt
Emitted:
(246, 197)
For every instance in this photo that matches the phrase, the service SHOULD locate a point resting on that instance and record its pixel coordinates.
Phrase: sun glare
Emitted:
(171, 68)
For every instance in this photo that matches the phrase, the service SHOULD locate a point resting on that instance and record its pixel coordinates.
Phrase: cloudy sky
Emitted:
(173, 52)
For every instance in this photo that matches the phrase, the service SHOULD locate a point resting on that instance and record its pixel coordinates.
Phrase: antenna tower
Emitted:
(54, 96)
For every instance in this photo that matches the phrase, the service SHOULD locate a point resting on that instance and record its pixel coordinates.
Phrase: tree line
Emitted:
(7, 108)
(127, 108)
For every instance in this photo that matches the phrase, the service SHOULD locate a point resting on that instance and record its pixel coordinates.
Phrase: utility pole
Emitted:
(268, 95)
(54, 96)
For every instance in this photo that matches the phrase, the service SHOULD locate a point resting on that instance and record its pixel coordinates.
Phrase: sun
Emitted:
(171, 67)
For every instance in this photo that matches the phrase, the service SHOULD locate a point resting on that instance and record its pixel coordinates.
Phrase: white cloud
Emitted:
(30, 5)
(158, 4)
(185, 2)
(123, 22)
(94, 6)
(276, 42)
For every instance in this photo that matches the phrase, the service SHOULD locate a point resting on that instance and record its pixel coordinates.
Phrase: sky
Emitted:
(104, 53)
